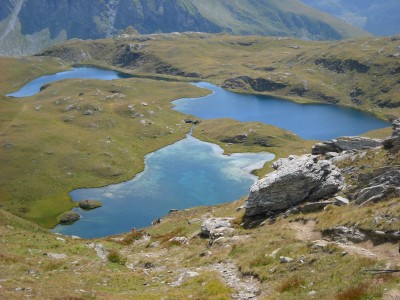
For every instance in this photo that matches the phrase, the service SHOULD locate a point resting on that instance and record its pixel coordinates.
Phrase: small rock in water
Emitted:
(69, 217)
(158, 221)
(89, 204)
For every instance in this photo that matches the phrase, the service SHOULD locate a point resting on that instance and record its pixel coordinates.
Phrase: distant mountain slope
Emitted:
(27, 26)
(380, 17)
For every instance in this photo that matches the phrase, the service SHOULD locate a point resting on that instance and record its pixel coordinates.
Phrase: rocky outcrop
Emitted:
(69, 217)
(340, 66)
(380, 187)
(295, 180)
(34, 24)
(256, 84)
(343, 234)
(394, 141)
(90, 204)
(216, 227)
(344, 144)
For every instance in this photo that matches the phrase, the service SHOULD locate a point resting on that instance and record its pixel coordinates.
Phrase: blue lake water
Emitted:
(309, 121)
(190, 172)
(34, 86)
(185, 174)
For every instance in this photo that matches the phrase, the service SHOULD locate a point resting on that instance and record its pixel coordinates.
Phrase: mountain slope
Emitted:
(376, 16)
(25, 22)
(363, 73)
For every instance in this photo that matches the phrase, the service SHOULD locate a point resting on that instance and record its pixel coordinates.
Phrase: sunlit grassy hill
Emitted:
(363, 73)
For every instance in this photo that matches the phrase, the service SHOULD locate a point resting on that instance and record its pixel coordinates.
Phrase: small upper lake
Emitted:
(34, 86)
(185, 174)
(309, 121)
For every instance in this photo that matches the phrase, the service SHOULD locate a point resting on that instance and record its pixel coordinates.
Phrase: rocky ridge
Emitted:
(29, 25)
(312, 182)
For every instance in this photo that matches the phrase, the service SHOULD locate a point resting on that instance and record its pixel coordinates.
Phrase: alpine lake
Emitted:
(191, 172)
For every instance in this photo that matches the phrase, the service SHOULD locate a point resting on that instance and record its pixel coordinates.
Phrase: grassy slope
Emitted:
(28, 269)
(223, 59)
(52, 151)
(268, 17)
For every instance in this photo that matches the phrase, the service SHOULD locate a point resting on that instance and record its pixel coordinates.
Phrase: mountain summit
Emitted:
(27, 26)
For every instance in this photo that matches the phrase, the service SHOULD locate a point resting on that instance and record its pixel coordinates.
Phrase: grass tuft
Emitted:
(116, 258)
(290, 284)
(353, 293)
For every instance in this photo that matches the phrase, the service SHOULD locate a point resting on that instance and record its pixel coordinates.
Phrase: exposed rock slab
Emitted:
(315, 206)
(381, 186)
(57, 255)
(344, 144)
(295, 180)
(245, 287)
(216, 227)
(342, 234)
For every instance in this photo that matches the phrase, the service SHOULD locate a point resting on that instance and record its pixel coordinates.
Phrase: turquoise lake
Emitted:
(309, 121)
(185, 174)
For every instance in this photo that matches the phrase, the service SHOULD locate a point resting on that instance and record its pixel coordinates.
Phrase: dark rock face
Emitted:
(161, 15)
(93, 19)
(248, 140)
(61, 15)
(340, 66)
(46, 22)
(344, 144)
(295, 180)
(126, 57)
(257, 84)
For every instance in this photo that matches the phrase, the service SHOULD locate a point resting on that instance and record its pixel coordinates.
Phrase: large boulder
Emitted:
(216, 227)
(344, 144)
(295, 180)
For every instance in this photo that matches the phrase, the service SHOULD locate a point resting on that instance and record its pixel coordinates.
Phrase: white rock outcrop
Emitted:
(296, 179)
